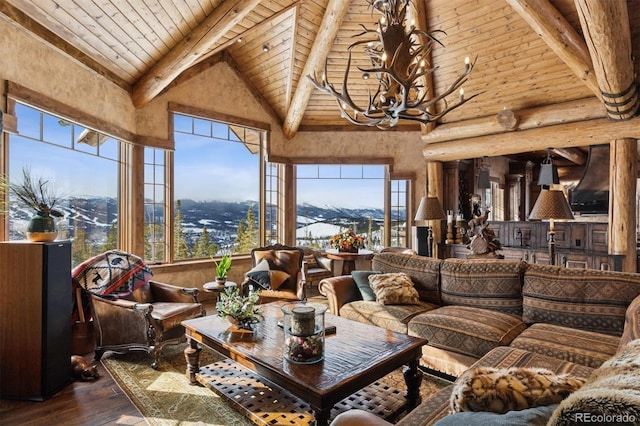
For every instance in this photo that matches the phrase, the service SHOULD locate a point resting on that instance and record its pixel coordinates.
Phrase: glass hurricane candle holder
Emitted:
(304, 327)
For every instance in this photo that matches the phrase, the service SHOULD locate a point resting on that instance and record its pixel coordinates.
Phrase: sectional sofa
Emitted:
(497, 313)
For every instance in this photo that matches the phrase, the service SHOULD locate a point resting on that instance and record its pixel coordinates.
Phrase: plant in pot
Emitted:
(241, 311)
(36, 194)
(222, 268)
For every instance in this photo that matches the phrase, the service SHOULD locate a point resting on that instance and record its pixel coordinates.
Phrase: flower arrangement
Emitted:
(243, 311)
(347, 241)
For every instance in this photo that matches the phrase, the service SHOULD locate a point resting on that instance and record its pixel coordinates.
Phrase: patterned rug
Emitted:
(165, 397)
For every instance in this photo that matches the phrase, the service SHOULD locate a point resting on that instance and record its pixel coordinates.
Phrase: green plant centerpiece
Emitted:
(36, 194)
(241, 311)
(222, 268)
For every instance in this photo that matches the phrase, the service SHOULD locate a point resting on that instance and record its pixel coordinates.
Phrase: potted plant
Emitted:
(222, 268)
(36, 195)
(241, 311)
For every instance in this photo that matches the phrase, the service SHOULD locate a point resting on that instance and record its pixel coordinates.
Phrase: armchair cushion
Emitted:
(113, 272)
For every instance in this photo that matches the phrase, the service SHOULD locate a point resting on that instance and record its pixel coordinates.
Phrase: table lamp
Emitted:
(551, 204)
(429, 209)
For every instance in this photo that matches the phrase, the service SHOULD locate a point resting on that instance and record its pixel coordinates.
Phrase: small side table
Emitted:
(216, 287)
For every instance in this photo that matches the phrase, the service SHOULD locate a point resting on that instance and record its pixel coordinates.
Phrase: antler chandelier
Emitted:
(399, 60)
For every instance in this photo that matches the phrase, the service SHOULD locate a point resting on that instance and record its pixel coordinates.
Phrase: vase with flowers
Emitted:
(347, 241)
(36, 194)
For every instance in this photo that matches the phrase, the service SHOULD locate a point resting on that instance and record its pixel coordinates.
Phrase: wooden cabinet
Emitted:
(35, 319)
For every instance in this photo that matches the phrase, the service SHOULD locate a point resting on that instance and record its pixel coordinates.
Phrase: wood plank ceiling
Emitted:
(147, 46)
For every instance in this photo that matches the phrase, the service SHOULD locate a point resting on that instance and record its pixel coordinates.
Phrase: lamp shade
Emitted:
(483, 179)
(551, 204)
(429, 209)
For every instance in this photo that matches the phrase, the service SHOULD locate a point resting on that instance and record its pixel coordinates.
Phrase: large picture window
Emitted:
(217, 187)
(80, 166)
(333, 198)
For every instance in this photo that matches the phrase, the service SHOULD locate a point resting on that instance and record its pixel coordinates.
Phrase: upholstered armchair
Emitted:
(130, 311)
(277, 272)
(316, 268)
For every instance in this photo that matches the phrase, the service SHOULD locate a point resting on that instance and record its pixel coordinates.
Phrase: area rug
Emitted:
(165, 397)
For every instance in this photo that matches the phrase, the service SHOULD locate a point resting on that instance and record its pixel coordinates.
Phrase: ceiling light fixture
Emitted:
(265, 47)
(399, 59)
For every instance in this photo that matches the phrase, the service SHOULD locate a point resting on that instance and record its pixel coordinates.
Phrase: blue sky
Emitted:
(206, 168)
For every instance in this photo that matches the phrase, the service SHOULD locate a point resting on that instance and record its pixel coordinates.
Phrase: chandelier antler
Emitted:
(399, 60)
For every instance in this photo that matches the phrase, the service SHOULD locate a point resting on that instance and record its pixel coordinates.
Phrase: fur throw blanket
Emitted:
(610, 396)
(516, 388)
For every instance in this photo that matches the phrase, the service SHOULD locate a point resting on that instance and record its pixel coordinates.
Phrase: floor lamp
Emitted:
(551, 204)
(429, 209)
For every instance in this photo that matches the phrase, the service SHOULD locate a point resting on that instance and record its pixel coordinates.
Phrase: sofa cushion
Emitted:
(571, 344)
(391, 317)
(610, 396)
(393, 289)
(361, 279)
(494, 284)
(464, 329)
(423, 271)
(586, 299)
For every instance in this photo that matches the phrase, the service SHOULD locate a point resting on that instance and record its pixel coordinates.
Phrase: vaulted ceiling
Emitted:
(528, 51)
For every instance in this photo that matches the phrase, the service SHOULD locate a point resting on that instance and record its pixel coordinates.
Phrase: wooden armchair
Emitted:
(130, 312)
(277, 272)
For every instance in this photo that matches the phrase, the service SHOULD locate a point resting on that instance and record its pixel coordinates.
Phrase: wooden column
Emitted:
(605, 25)
(287, 225)
(528, 181)
(434, 189)
(622, 201)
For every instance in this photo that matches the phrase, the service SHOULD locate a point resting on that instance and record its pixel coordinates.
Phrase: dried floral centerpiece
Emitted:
(347, 241)
(37, 195)
(241, 311)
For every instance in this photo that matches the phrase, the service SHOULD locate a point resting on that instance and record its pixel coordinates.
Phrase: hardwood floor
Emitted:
(100, 402)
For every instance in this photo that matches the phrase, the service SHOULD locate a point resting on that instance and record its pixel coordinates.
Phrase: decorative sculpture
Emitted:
(483, 238)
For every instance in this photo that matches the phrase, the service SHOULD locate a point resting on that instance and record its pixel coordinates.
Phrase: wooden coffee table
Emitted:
(355, 356)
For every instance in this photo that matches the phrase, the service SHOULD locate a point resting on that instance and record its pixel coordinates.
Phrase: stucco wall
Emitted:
(28, 61)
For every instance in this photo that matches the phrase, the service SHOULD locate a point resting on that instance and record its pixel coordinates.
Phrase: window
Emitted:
(155, 190)
(217, 187)
(399, 201)
(333, 198)
(82, 167)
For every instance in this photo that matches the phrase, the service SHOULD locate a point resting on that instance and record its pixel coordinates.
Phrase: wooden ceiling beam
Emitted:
(566, 135)
(575, 155)
(605, 25)
(560, 36)
(334, 15)
(188, 51)
(548, 115)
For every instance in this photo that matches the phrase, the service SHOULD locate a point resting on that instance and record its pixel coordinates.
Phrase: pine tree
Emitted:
(204, 247)
(153, 243)
(181, 250)
(247, 237)
(112, 239)
(370, 232)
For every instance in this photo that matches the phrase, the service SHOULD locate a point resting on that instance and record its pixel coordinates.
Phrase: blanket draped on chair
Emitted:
(113, 273)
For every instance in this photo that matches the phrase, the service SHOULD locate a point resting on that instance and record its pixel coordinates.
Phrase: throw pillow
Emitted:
(394, 289)
(536, 416)
(259, 274)
(516, 388)
(277, 278)
(361, 278)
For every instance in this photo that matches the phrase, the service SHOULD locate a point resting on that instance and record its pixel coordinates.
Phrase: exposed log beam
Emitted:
(574, 155)
(605, 25)
(186, 53)
(565, 135)
(333, 17)
(560, 36)
(583, 109)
